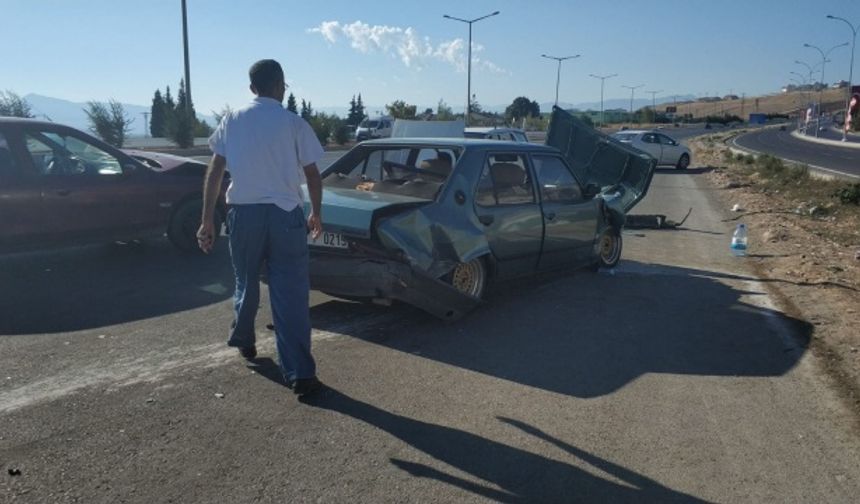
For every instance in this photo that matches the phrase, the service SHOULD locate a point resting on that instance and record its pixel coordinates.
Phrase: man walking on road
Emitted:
(267, 148)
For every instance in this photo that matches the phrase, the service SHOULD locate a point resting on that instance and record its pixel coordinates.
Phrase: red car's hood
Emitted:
(158, 161)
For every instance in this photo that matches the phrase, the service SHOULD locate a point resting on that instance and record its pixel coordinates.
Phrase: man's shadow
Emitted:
(511, 474)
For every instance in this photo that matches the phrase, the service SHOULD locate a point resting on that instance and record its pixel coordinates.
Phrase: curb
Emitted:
(816, 171)
(825, 141)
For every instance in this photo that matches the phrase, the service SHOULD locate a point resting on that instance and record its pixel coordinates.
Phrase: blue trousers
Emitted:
(267, 232)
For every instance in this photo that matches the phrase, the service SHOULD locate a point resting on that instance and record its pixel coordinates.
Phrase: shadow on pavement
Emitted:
(587, 335)
(95, 286)
(521, 476)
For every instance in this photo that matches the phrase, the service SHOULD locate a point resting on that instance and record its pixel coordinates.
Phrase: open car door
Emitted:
(597, 159)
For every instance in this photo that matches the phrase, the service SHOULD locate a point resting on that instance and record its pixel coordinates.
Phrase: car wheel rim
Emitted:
(609, 248)
(685, 161)
(469, 278)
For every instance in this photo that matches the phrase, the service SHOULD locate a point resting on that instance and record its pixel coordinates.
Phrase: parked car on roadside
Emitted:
(433, 222)
(666, 150)
(60, 186)
(496, 133)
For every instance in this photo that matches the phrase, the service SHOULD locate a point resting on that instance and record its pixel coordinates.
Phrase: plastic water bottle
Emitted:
(739, 241)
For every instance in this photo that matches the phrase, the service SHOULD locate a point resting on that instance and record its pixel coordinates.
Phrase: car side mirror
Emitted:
(591, 190)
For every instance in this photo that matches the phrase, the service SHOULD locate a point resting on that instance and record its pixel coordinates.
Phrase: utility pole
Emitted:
(654, 102)
(824, 60)
(632, 89)
(469, 71)
(145, 124)
(558, 73)
(187, 64)
(850, 68)
(602, 80)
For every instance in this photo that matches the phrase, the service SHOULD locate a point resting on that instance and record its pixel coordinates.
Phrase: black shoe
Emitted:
(248, 352)
(305, 386)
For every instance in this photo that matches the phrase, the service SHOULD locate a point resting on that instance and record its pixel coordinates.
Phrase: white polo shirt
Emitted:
(266, 147)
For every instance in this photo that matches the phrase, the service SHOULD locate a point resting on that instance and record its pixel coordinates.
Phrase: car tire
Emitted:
(470, 277)
(184, 223)
(683, 162)
(609, 246)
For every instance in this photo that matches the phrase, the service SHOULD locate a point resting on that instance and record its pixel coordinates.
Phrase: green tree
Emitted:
(184, 121)
(12, 105)
(360, 114)
(522, 107)
(399, 109)
(444, 112)
(324, 125)
(157, 115)
(307, 111)
(350, 117)
(475, 106)
(291, 104)
(646, 115)
(110, 122)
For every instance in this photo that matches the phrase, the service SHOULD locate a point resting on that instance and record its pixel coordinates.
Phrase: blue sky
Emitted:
(84, 50)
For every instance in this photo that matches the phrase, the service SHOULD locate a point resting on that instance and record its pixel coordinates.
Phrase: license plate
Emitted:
(328, 239)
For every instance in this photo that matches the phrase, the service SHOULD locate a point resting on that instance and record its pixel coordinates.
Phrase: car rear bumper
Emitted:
(355, 276)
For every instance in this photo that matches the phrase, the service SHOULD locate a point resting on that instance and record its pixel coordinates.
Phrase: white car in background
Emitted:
(666, 150)
(496, 133)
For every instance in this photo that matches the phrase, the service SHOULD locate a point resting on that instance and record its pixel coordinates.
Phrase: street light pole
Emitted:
(145, 123)
(632, 89)
(824, 56)
(654, 102)
(850, 68)
(187, 64)
(602, 80)
(558, 73)
(469, 71)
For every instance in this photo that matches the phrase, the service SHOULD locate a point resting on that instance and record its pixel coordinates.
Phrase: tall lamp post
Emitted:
(654, 102)
(850, 68)
(824, 56)
(602, 80)
(558, 73)
(632, 89)
(187, 65)
(469, 72)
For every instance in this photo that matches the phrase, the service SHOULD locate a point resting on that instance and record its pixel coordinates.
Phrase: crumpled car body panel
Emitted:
(623, 172)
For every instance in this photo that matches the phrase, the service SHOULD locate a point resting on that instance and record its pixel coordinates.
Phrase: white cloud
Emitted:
(404, 43)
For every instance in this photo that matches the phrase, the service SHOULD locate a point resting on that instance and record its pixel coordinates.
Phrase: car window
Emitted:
(58, 154)
(410, 171)
(555, 180)
(520, 137)
(666, 140)
(625, 137)
(649, 138)
(7, 161)
(504, 181)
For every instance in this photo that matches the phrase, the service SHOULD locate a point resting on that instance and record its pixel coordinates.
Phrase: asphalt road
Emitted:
(674, 378)
(844, 160)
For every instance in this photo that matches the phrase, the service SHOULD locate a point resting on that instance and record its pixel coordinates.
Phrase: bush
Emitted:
(848, 195)
(341, 134)
(109, 122)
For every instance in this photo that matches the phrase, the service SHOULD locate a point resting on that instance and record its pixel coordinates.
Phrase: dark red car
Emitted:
(59, 186)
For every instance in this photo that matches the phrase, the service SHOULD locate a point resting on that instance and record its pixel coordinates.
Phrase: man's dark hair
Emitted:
(265, 74)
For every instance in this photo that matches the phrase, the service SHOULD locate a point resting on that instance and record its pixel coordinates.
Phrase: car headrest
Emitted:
(507, 174)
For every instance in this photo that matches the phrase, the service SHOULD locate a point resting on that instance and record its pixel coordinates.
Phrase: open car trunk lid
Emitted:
(597, 159)
(351, 211)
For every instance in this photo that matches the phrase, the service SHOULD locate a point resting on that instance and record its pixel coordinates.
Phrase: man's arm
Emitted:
(312, 174)
(211, 190)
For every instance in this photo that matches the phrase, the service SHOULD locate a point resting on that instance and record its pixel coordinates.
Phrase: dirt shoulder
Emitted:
(804, 243)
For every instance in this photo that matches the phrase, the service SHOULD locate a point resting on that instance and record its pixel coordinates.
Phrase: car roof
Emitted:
(475, 143)
(486, 129)
(27, 120)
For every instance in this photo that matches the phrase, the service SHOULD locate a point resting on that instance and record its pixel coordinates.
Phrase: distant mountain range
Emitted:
(72, 113)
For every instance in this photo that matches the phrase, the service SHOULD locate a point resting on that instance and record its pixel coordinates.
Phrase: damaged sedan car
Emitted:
(433, 222)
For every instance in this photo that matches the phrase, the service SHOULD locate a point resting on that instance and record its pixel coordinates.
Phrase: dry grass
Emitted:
(783, 103)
